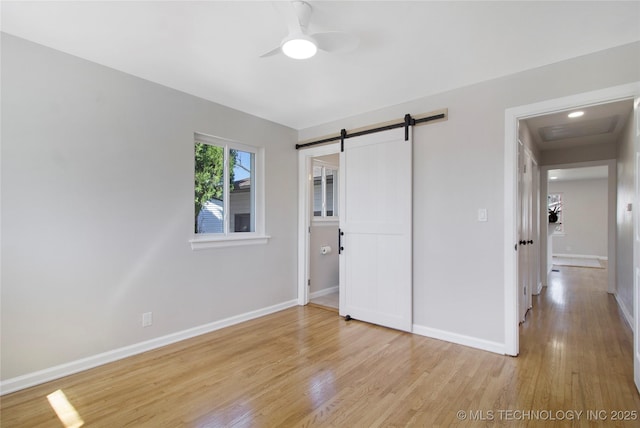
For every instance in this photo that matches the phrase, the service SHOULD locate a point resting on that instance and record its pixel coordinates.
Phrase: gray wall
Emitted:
(97, 211)
(458, 274)
(324, 269)
(624, 220)
(585, 205)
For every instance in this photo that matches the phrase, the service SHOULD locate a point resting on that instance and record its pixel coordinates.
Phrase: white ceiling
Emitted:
(408, 49)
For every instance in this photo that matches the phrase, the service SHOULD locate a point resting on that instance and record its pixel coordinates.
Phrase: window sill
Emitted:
(212, 241)
(325, 221)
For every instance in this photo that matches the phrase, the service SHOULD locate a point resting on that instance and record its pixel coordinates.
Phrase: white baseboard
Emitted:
(581, 256)
(323, 292)
(625, 311)
(46, 375)
(460, 339)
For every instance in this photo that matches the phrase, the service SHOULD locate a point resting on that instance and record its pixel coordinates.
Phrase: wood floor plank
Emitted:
(307, 367)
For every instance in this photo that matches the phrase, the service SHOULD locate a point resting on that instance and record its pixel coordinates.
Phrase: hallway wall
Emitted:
(323, 268)
(624, 221)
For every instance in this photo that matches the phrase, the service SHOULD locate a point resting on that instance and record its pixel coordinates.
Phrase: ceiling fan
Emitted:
(299, 44)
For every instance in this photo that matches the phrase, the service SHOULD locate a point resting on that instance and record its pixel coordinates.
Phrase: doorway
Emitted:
(314, 234)
(512, 118)
(580, 214)
(324, 262)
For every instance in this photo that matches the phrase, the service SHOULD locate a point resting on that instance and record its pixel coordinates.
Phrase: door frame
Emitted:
(305, 174)
(512, 116)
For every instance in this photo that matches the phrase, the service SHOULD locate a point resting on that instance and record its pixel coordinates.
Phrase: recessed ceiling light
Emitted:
(553, 178)
(576, 114)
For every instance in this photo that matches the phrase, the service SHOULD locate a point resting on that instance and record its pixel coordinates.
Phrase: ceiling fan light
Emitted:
(299, 48)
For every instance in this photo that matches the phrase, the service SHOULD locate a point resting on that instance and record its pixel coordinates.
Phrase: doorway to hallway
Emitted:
(513, 118)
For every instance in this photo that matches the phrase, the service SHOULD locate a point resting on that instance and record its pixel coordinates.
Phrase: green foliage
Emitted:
(209, 175)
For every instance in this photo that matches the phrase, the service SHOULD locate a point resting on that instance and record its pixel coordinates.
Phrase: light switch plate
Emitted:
(482, 214)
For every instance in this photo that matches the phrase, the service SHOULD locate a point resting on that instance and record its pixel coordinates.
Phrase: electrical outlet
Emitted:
(147, 319)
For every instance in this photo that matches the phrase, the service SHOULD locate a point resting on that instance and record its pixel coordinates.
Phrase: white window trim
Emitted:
(233, 239)
(211, 241)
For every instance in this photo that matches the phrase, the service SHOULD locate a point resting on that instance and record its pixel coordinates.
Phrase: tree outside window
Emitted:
(224, 190)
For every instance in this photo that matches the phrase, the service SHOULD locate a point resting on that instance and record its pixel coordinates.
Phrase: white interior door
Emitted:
(524, 231)
(535, 230)
(529, 229)
(376, 202)
(636, 250)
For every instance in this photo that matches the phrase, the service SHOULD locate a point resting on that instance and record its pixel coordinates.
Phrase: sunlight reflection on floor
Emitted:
(557, 294)
(65, 410)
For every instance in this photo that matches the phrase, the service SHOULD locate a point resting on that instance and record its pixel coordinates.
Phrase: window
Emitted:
(555, 208)
(325, 190)
(228, 202)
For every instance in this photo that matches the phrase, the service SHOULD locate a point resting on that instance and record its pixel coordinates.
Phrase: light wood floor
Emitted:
(328, 301)
(307, 367)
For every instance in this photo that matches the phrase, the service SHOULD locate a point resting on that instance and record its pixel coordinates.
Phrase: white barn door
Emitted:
(376, 204)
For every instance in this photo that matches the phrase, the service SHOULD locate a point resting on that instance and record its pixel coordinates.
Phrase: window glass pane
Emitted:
(332, 194)
(317, 191)
(209, 188)
(241, 191)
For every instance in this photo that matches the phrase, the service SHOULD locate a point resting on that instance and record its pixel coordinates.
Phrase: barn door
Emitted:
(375, 227)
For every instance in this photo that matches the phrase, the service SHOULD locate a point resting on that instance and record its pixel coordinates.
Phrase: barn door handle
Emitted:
(340, 247)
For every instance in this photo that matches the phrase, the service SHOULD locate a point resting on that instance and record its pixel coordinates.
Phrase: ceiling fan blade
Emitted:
(272, 52)
(336, 41)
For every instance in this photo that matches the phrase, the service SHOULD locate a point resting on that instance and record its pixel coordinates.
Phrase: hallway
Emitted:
(577, 341)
